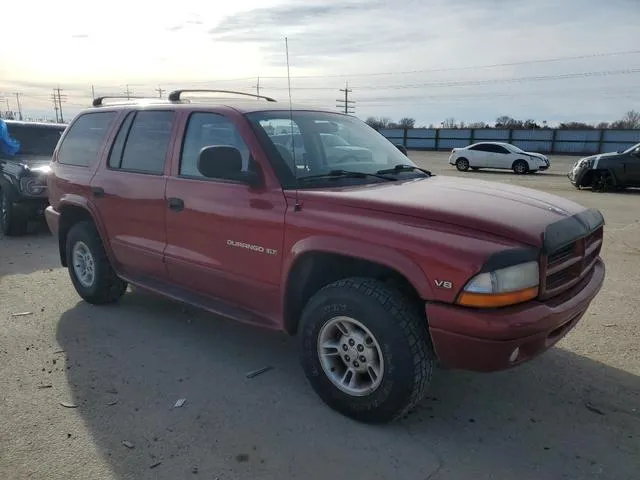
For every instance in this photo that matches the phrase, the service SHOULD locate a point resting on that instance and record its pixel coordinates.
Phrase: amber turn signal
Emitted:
(494, 300)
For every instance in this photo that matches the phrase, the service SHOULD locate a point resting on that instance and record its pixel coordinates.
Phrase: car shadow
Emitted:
(561, 416)
(32, 252)
(511, 173)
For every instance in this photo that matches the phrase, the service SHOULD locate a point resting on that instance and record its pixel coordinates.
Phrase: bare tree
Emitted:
(449, 123)
(378, 122)
(576, 126)
(407, 122)
(478, 125)
(631, 119)
(603, 125)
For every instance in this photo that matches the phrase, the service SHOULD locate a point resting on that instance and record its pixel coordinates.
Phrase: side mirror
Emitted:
(403, 149)
(225, 162)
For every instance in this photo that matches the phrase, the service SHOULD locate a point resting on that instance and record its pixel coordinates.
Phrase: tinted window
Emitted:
(147, 142)
(207, 129)
(84, 139)
(483, 147)
(35, 139)
(500, 149)
(115, 156)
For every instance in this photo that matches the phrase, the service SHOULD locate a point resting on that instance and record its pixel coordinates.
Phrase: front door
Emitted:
(130, 192)
(224, 238)
(632, 168)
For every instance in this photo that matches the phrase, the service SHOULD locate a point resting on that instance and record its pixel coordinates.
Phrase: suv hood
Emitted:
(518, 213)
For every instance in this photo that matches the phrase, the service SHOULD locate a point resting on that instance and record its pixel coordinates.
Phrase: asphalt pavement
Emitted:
(90, 392)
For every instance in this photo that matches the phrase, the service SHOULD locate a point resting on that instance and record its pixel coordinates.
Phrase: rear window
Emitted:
(36, 139)
(83, 142)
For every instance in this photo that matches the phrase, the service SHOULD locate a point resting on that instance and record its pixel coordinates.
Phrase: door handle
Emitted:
(176, 204)
(97, 191)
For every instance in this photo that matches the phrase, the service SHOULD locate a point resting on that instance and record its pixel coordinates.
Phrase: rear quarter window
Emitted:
(85, 138)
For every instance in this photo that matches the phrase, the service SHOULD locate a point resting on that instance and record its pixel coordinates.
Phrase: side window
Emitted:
(115, 156)
(146, 143)
(207, 129)
(84, 139)
(500, 149)
(480, 148)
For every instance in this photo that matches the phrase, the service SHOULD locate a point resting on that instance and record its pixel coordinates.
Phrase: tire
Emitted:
(462, 164)
(601, 181)
(520, 167)
(103, 286)
(400, 343)
(12, 222)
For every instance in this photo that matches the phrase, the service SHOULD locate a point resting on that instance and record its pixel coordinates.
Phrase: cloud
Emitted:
(80, 35)
(175, 28)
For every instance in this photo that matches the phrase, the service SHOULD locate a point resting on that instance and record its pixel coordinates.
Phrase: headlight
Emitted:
(586, 162)
(33, 186)
(499, 288)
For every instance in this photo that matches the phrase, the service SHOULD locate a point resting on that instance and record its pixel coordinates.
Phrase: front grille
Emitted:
(565, 267)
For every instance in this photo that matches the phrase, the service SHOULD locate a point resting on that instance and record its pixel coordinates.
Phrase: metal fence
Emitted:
(545, 140)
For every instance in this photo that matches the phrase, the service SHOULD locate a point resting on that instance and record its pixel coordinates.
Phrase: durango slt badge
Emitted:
(255, 248)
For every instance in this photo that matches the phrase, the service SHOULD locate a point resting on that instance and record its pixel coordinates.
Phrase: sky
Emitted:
(472, 60)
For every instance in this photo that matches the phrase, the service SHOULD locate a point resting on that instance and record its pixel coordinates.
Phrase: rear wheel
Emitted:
(89, 268)
(365, 350)
(12, 222)
(462, 164)
(520, 167)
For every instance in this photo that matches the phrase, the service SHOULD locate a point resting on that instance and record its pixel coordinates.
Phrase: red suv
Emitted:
(311, 222)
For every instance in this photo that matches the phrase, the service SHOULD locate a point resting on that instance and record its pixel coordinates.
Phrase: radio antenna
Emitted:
(297, 205)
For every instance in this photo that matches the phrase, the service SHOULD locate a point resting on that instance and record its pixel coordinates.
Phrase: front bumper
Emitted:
(576, 175)
(485, 340)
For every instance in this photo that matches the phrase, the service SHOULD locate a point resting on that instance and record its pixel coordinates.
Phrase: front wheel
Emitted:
(520, 167)
(365, 350)
(12, 222)
(462, 164)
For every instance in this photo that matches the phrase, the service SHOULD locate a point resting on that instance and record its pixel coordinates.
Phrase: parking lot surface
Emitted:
(89, 392)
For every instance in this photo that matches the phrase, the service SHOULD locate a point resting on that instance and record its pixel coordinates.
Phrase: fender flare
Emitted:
(78, 201)
(356, 248)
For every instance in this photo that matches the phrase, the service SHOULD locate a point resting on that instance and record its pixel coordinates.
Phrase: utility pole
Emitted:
(346, 104)
(127, 92)
(58, 98)
(54, 97)
(19, 106)
(258, 87)
(60, 105)
(93, 93)
(160, 91)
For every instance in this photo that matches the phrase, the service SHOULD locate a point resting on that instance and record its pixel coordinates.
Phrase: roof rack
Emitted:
(99, 101)
(175, 95)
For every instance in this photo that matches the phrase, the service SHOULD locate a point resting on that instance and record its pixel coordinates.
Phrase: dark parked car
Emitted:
(607, 171)
(25, 155)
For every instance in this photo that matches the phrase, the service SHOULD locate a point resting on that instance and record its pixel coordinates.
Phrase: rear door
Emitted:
(130, 192)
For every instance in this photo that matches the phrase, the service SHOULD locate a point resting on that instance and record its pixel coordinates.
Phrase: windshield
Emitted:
(35, 139)
(631, 149)
(320, 142)
(515, 149)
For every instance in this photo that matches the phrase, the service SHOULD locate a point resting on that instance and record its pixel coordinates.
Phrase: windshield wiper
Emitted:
(334, 174)
(402, 167)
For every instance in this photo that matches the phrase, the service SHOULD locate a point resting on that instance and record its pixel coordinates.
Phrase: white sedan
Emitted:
(497, 155)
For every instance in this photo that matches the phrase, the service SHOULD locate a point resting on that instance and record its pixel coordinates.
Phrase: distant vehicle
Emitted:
(607, 171)
(25, 153)
(497, 155)
(336, 148)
